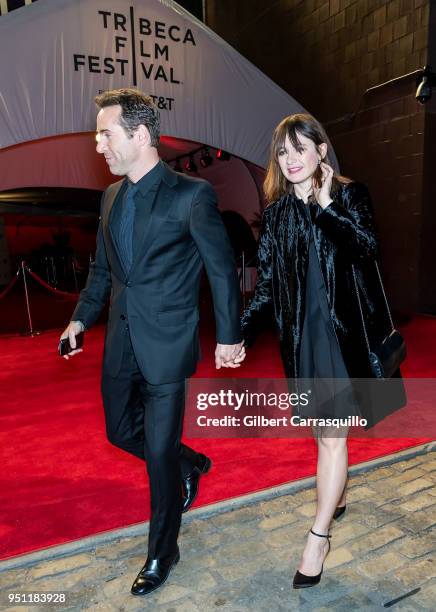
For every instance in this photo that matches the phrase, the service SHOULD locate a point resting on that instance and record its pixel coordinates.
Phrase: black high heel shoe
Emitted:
(301, 581)
(340, 510)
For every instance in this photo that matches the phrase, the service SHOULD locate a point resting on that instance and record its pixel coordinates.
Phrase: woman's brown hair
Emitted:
(276, 185)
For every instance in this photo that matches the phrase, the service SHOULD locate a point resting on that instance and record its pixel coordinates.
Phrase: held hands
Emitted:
(73, 329)
(322, 194)
(229, 355)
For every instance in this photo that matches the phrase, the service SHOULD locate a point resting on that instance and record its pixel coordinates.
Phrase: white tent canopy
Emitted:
(64, 52)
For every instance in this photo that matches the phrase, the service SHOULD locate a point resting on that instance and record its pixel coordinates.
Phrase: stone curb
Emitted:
(87, 543)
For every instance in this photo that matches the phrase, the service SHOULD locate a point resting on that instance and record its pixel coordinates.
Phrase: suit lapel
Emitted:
(111, 242)
(159, 210)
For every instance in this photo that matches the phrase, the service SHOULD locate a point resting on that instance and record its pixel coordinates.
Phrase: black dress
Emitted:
(321, 360)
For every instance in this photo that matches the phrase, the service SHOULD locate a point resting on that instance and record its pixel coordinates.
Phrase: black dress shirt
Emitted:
(147, 187)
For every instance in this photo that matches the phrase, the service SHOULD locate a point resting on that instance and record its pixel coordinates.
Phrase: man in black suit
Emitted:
(157, 229)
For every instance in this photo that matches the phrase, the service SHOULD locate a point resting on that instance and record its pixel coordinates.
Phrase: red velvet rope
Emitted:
(11, 284)
(65, 294)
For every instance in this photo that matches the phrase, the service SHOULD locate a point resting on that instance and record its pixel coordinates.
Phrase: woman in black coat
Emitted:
(317, 241)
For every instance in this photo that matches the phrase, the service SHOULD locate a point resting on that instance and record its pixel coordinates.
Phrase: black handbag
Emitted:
(386, 358)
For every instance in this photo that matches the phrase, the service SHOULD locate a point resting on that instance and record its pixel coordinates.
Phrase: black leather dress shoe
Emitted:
(191, 482)
(153, 574)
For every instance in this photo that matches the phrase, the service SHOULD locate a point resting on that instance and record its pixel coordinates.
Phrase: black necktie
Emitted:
(126, 226)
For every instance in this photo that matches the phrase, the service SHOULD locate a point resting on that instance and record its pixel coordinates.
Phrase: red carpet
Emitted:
(62, 480)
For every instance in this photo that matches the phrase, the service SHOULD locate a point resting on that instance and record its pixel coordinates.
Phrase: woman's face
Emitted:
(299, 166)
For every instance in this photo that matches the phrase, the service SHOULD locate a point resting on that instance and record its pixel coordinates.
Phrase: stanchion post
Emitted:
(32, 332)
(47, 271)
(243, 278)
(73, 264)
(53, 271)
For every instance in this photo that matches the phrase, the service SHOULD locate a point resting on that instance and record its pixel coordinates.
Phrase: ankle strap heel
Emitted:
(320, 535)
(301, 581)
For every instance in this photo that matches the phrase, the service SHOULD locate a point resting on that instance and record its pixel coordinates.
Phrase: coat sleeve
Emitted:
(210, 236)
(351, 223)
(95, 294)
(262, 299)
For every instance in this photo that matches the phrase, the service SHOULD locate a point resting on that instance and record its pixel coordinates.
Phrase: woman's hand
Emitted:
(322, 194)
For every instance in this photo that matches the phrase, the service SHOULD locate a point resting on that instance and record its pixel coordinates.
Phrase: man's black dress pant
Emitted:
(146, 420)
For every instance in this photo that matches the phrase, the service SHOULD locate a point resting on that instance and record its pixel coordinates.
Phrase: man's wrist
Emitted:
(82, 326)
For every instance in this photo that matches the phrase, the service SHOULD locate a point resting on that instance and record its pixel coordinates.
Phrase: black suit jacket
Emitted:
(159, 297)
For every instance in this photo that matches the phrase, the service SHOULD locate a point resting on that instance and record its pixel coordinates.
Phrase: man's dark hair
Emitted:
(136, 109)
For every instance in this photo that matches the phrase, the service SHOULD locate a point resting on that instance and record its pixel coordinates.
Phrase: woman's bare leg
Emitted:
(331, 478)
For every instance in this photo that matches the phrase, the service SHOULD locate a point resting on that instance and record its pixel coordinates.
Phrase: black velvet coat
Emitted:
(344, 235)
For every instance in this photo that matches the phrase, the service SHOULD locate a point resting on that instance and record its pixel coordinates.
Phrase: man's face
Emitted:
(120, 152)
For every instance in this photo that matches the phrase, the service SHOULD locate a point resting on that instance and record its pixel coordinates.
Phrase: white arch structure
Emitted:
(61, 53)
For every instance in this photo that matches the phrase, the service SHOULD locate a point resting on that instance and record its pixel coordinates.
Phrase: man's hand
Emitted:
(229, 355)
(73, 329)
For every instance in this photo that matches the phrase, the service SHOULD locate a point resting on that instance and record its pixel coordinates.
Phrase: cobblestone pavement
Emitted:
(244, 560)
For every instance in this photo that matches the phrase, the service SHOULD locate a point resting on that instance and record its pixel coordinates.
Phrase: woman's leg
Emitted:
(331, 478)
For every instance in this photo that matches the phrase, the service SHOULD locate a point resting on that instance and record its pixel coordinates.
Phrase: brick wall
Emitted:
(427, 298)
(326, 54)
